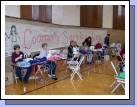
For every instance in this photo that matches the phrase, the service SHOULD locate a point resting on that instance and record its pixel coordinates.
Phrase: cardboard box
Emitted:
(9, 78)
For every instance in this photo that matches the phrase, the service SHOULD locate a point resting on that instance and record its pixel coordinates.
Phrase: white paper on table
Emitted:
(28, 59)
(99, 49)
(63, 56)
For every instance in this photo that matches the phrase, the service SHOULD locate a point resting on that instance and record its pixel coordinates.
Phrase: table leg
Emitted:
(23, 75)
(58, 69)
(41, 79)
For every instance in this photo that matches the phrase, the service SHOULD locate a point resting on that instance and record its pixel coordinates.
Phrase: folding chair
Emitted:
(74, 60)
(122, 60)
(118, 79)
(76, 68)
(75, 84)
(15, 75)
(39, 70)
(97, 54)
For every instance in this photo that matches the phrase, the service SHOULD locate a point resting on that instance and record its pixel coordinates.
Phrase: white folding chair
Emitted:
(39, 70)
(122, 60)
(118, 80)
(76, 68)
(15, 76)
(72, 61)
(65, 51)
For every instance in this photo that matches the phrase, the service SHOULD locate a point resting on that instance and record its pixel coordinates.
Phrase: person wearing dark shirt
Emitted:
(88, 41)
(16, 57)
(106, 40)
(70, 49)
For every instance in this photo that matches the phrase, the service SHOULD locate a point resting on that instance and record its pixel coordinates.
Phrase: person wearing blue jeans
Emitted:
(51, 68)
(16, 57)
(50, 64)
(27, 75)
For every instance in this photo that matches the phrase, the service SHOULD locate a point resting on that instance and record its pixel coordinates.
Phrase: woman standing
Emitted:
(88, 41)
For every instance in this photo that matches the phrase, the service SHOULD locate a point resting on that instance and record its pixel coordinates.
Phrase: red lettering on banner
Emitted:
(82, 36)
(25, 39)
(93, 37)
(42, 38)
(71, 37)
(46, 38)
(39, 38)
(56, 37)
(77, 37)
(65, 37)
(34, 40)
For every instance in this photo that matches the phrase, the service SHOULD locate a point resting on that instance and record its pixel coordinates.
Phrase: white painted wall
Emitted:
(12, 10)
(107, 21)
(57, 14)
(66, 14)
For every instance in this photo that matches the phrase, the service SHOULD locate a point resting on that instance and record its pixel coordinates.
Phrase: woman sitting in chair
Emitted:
(88, 52)
(70, 50)
(99, 46)
(75, 47)
(16, 57)
(50, 64)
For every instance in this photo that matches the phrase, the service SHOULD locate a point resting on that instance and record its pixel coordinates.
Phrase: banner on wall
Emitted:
(30, 37)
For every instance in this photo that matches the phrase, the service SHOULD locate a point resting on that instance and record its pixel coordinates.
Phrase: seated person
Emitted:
(118, 46)
(75, 47)
(70, 50)
(87, 49)
(16, 57)
(50, 64)
(99, 46)
(121, 54)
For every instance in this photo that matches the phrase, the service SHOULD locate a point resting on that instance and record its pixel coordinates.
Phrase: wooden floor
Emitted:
(96, 81)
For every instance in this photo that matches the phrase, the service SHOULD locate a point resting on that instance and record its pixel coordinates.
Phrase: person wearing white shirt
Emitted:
(51, 65)
(118, 46)
(75, 47)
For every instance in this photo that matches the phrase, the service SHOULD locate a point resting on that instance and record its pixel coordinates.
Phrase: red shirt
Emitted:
(98, 45)
(121, 54)
(15, 55)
